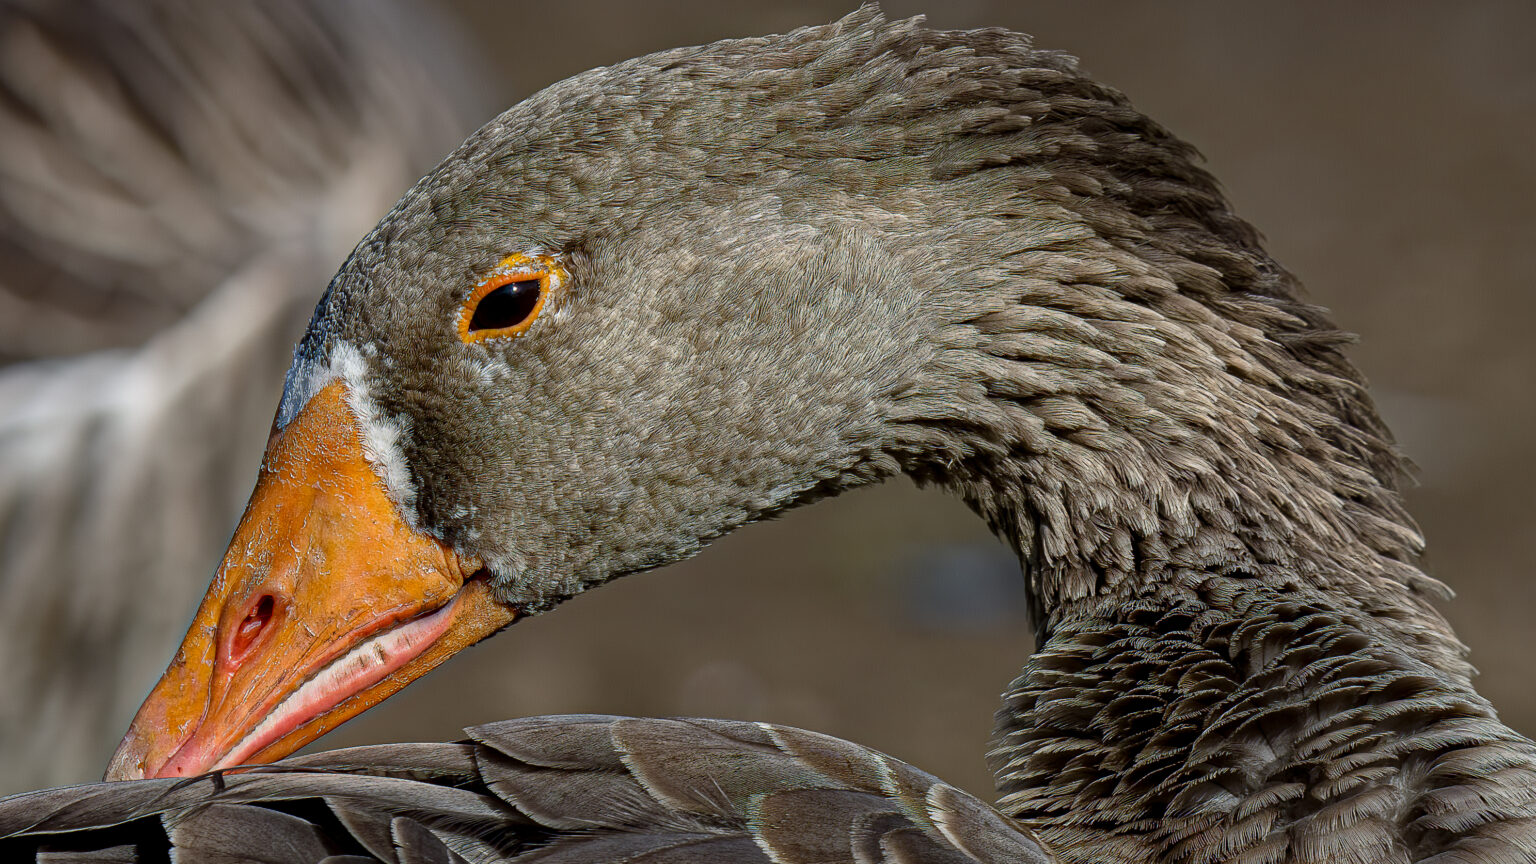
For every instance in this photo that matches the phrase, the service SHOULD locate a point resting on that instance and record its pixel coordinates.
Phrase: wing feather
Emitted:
(558, 790)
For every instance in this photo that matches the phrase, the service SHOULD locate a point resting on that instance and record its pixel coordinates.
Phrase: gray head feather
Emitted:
(811, 261)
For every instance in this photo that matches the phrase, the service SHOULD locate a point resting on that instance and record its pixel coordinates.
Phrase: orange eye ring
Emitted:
(514, 309)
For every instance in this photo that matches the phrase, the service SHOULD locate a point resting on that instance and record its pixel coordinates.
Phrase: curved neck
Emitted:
(1149, 425)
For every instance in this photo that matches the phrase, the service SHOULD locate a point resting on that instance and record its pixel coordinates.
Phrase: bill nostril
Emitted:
(249, 632)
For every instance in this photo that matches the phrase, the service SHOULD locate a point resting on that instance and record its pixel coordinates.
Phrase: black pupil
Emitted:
(507, 306)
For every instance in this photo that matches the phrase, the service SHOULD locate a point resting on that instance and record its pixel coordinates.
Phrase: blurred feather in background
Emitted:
(177, 183)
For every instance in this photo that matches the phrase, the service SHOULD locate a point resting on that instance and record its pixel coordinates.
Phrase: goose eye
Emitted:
(507, 306)
(507, 303)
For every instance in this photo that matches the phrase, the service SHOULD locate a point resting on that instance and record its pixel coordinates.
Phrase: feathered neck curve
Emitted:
(1123, 383)
(998, 276)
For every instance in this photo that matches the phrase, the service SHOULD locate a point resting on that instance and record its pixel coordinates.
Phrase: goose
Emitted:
(661, 300)
(159, 250)
(556, 789)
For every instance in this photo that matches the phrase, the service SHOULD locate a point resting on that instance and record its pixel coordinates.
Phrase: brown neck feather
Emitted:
(1150, 405)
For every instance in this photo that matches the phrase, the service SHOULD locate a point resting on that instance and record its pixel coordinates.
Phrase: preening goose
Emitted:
(159, 248)
(664, 299)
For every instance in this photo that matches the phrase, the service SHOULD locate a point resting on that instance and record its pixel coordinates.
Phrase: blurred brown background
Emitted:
(1386, 151)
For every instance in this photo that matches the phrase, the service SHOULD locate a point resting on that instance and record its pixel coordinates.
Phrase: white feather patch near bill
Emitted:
(381, 432)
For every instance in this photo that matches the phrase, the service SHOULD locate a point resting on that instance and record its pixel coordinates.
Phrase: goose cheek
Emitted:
(326, 603)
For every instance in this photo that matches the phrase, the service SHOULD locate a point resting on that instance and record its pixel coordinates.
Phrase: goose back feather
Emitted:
(558, 790)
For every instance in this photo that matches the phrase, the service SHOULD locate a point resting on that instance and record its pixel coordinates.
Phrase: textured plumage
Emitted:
(550, 789)
(803, 263)
(1276, 731)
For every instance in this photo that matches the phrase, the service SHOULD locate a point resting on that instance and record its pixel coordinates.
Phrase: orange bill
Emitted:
(326, 603)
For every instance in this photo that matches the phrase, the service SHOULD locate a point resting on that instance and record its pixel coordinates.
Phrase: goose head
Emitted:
(660, 300)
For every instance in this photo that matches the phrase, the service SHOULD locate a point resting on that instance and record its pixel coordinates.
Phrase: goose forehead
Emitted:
(391, 305)
(313, 368)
